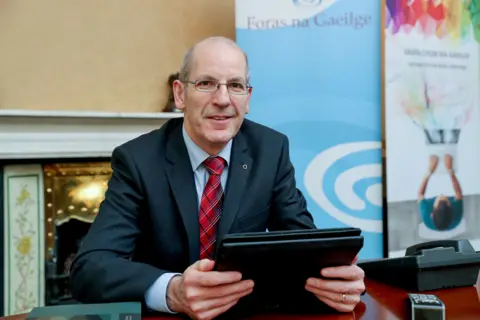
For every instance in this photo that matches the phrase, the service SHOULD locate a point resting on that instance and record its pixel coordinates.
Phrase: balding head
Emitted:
(203, 46)
(213, 92)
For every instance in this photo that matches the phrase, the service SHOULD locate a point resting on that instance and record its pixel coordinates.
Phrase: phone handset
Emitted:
(462, 246)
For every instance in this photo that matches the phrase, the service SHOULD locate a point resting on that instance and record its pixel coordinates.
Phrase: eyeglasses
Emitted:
(210, 86)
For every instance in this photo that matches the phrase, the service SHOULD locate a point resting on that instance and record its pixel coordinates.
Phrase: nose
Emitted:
(222, 97)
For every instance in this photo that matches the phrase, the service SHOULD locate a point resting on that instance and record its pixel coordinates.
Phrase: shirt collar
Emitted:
(198, 155)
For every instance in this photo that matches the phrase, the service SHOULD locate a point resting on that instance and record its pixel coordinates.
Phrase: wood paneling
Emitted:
(102, 55)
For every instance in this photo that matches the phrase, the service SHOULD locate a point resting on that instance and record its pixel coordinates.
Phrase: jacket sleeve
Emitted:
(103, 270)
(289, 207)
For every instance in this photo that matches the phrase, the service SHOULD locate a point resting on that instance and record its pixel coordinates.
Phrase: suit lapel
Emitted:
(182, 182)
(240, 166)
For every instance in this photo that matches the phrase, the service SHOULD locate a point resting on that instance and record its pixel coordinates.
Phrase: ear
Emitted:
(247, 107)
(179, 91)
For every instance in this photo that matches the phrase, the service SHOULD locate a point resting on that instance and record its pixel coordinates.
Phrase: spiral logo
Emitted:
(317, 180)
(307, 3)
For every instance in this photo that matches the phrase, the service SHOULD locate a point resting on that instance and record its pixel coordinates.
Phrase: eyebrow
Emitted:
(237, 79)
(208, 77)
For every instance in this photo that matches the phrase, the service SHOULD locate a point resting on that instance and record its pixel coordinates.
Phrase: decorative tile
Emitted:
(24, 238)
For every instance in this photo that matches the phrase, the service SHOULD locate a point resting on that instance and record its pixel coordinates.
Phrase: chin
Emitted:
(220, 137)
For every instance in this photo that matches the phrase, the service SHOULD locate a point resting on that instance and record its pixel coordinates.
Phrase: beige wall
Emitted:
(104, 55)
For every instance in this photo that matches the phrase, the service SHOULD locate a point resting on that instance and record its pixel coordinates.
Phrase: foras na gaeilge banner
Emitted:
(315, 69)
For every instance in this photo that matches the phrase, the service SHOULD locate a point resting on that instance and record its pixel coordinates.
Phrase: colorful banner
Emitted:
(315, 69)
(432, 81)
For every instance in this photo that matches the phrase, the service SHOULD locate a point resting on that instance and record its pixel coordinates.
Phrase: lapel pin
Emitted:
(245, 167)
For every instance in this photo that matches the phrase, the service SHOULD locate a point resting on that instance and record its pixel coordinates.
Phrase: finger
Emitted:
(334, 296)
(215, 278)
(219, 302)
(199, 293)
(338, 286)
(200, 273)
(337, 306)
(228, 289)
(204, 265)
(352, 272)
(213, 313)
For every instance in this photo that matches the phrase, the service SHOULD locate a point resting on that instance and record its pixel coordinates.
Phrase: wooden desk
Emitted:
(382, 302)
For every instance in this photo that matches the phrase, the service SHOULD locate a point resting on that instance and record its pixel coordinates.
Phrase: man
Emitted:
(154, 237)
(441, 213)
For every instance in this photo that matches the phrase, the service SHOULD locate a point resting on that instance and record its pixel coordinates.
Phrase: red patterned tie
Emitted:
(211, 206)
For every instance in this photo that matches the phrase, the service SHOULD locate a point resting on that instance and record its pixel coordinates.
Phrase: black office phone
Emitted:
(428, 266)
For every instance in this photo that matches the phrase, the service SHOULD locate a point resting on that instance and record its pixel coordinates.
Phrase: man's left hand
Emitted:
(342, 291)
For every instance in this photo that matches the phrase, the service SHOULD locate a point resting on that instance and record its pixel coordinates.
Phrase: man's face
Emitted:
(213, 118)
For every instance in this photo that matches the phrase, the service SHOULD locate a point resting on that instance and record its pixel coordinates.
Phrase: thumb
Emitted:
(205, 265)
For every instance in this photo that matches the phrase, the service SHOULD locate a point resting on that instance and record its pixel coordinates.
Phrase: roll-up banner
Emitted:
(316, 77)
(432, 121)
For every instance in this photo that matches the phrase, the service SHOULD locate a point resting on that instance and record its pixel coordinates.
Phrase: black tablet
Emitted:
(316, 248)
(280, 262)
(290, 234)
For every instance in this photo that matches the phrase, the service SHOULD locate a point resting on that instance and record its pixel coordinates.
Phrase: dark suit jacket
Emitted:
(148, 222)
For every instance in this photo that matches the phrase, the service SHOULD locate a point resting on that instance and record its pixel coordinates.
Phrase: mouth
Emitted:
(220, 119)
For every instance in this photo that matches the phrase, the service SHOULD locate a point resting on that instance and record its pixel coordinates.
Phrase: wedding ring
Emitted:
(343, 297)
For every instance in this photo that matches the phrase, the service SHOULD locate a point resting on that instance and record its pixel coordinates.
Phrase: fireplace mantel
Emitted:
(53, 135)
(29, 134)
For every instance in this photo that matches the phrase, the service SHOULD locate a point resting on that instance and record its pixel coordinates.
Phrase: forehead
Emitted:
(218, 60)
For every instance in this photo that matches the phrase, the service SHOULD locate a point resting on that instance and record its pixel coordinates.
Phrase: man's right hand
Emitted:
(205, 294)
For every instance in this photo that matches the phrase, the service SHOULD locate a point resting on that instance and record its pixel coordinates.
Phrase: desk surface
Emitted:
(381, 302)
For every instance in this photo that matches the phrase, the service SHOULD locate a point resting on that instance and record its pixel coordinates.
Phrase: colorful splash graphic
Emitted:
(433, 104)
(456, 19)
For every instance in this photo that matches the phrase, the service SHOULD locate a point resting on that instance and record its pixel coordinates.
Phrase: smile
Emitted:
(219, 118)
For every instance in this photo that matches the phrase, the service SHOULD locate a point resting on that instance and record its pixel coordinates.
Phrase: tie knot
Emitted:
(215, 165)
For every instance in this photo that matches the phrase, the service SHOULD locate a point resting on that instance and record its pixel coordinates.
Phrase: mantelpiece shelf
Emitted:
(30, 134)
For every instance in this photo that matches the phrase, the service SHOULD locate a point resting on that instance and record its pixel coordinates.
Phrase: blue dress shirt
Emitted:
(156, 295)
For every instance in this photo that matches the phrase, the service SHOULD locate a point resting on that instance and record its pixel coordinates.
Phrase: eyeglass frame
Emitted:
(247, 86)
